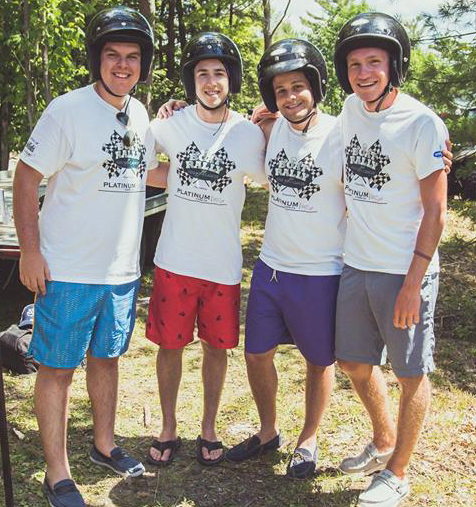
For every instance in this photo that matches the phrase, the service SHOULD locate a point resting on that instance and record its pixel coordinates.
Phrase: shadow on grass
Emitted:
(252, 483)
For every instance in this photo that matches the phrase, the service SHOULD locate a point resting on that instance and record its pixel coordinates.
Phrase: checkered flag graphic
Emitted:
(190, 152)
(275, 185)
(221, 183)
(185, 179)
(374, 153)
(136, 151)
(276, 162)
(309, 190)
(379, 180)
(222, 156)
(112, 168)
(219, 158)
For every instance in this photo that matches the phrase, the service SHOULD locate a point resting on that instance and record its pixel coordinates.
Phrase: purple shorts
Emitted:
(290, 308)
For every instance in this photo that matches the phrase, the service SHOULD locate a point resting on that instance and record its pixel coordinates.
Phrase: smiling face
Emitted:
(368, 71)
(293, 95)
(211, 82)
(120, 66)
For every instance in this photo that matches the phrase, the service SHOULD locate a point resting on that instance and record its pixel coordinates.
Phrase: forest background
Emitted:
(42, 53)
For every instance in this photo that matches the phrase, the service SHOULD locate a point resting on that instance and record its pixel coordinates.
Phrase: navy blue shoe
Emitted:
(119, 462)
(63, 494)
(252, 447)
(302, 463)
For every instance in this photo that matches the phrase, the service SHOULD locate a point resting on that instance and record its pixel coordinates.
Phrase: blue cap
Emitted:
(27, 316)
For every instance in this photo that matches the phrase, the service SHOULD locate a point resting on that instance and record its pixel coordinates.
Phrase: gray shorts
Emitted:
(364, 322)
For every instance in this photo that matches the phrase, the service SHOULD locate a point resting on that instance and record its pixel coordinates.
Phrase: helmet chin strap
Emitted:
(309, 116)
(224, 102)
(388, 89)
(131, 92)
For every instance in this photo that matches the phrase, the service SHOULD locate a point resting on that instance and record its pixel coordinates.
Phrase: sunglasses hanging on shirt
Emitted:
(123, 118)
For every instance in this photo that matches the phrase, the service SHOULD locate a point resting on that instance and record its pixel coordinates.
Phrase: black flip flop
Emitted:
(209, 446)
(173, 445)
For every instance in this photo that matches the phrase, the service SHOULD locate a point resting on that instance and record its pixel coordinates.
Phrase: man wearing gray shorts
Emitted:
(395, 190)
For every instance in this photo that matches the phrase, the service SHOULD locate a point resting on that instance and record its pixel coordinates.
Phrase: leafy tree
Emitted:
(324, 30)
(445, 77)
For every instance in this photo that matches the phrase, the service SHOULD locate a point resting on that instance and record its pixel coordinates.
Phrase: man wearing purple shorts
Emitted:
(295, 281)
(395, 190)
(81, 257)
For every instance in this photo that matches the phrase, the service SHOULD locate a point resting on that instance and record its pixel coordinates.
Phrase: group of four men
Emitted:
(381, 162)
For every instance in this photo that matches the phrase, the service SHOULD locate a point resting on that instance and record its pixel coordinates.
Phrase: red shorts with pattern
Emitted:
(178, 301)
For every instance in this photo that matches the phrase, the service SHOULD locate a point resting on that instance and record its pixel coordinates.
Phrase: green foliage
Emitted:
(443, 76)
(324, 30)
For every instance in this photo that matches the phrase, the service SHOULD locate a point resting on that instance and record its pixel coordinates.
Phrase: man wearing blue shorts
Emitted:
(81, 256)
(395, 191)
(295, 281)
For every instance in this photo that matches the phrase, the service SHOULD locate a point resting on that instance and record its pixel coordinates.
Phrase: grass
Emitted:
(443, 469)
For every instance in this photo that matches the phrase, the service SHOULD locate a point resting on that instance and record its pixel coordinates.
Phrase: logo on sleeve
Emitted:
(31, 145)
(126, 166)
(295, 175)
(438, 154)
(205, 170)
(366, 164)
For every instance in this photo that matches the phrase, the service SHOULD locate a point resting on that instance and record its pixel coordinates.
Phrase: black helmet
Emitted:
(211, 45)
(119, 24)
(286, 56)
(373, 29)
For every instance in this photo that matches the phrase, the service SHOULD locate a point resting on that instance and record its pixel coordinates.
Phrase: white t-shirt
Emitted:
(385, 155)
(201, 232)
(305, 226)
(92, 215)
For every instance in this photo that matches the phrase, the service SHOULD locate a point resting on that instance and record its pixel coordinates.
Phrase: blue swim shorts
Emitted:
(72, 318)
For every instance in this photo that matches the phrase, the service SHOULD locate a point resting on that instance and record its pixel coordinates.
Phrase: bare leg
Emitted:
(263, 380)
(102, 380)
(214, 368)
(319, 385)
(169, 374)
(52, 390)
(414, 403)
(371, 387)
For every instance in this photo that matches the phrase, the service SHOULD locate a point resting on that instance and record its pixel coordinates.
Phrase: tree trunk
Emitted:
(28, 72)
(181, 24)
(170, 49)
(4, 125)
(147, 8)
(230, 20)
(266, 23)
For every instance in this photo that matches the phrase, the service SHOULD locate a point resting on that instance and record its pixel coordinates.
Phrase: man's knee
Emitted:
(213, 352)
(319, 371)
(409, 384)
(355, 370)
(259, 360)
(62, 376)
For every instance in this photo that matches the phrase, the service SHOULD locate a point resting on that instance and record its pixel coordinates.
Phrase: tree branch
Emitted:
(281, 20)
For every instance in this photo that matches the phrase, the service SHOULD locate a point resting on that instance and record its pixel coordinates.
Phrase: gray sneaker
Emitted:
(366, 463)
(385, 490)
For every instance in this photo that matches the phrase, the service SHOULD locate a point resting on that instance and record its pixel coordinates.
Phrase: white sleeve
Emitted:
(151, 152)
(48, 149)
(430, 142)
(157, 128)
(256, 152)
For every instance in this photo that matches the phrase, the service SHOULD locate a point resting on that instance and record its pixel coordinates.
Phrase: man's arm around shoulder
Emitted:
(33, 267)
(433, 194)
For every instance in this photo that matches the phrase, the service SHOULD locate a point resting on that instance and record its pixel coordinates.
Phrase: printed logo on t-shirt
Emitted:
(292, 181)
(126, 167)
(364, 173)
(31, 145)
(202, 172)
